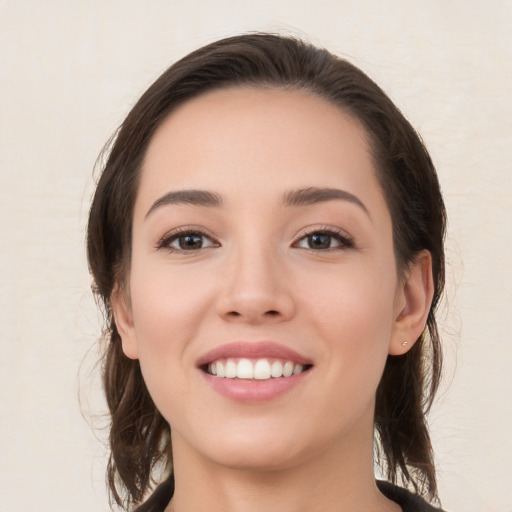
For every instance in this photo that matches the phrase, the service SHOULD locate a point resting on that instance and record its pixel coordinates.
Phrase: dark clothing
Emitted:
(160, 497)
(408, 501)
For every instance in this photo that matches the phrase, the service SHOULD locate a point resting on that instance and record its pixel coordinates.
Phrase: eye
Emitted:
(324, 240)
(186, 241)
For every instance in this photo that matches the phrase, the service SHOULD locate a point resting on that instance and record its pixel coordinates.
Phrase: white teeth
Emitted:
(245, 369)
(220, 369)
(261, 369)
(231, 370)
(277, 369)
(297, 369)
(288, 369)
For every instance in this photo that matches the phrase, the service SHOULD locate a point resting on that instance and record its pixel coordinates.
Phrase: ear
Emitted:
(413, 301)
(123, 317)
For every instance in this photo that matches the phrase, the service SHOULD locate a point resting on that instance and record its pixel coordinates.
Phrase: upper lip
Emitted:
(253, 350)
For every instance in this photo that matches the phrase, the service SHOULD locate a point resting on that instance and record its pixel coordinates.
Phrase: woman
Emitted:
(267, 240)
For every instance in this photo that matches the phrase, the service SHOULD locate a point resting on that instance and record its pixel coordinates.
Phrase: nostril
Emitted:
(270, 313)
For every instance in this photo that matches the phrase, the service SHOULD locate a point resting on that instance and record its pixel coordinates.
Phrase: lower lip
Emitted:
(253, 390)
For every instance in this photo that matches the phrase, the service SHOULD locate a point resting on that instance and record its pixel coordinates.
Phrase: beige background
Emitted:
(70, 72)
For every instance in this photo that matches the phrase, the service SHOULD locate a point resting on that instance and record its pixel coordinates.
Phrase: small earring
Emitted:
(405, 343)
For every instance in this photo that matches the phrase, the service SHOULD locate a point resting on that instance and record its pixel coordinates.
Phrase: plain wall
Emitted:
(70, 70)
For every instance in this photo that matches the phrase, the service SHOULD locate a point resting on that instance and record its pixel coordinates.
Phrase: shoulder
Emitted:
(408, 501)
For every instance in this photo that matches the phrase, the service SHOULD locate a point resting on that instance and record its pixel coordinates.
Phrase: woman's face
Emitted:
(262, 244)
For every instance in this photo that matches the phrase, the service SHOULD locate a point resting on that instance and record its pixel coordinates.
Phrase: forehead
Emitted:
(257, 140)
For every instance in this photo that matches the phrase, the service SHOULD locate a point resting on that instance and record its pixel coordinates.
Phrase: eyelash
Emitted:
(345, 241)
(166, 241)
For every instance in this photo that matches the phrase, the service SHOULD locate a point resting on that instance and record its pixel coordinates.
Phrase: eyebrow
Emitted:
(300, 197)
(313, 195)
(193, 197)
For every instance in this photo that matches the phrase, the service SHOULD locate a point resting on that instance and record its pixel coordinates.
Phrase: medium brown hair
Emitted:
(139, 435)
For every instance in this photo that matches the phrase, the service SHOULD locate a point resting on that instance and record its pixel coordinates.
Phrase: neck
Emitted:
(339, 478)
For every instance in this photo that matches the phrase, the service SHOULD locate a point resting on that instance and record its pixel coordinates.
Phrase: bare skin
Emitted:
(288, 245)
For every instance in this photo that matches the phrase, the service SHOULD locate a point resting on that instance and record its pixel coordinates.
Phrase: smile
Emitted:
(253, 372)
(257, 369)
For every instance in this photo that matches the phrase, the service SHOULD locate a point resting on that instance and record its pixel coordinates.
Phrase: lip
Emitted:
(257, 350)
(253, 391)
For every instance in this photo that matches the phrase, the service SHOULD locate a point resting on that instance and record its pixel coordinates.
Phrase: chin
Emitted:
(257, 457)
(259, 446)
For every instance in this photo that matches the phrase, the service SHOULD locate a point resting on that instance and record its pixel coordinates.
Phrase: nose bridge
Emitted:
(256, 288)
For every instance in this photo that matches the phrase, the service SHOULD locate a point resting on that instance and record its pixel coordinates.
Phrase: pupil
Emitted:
(319, 241)
(190, 242)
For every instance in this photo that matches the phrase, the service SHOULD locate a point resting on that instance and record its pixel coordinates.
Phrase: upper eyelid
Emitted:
(304, 232)
(184, 230)
(192, 228)
(346, 240)
(332, 230)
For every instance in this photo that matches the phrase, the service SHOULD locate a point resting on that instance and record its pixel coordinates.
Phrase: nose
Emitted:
(256, 289)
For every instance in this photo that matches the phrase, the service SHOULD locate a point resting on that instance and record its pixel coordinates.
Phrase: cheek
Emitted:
(167, 308)
(360, 298)
(167, 305)
(356, 320)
